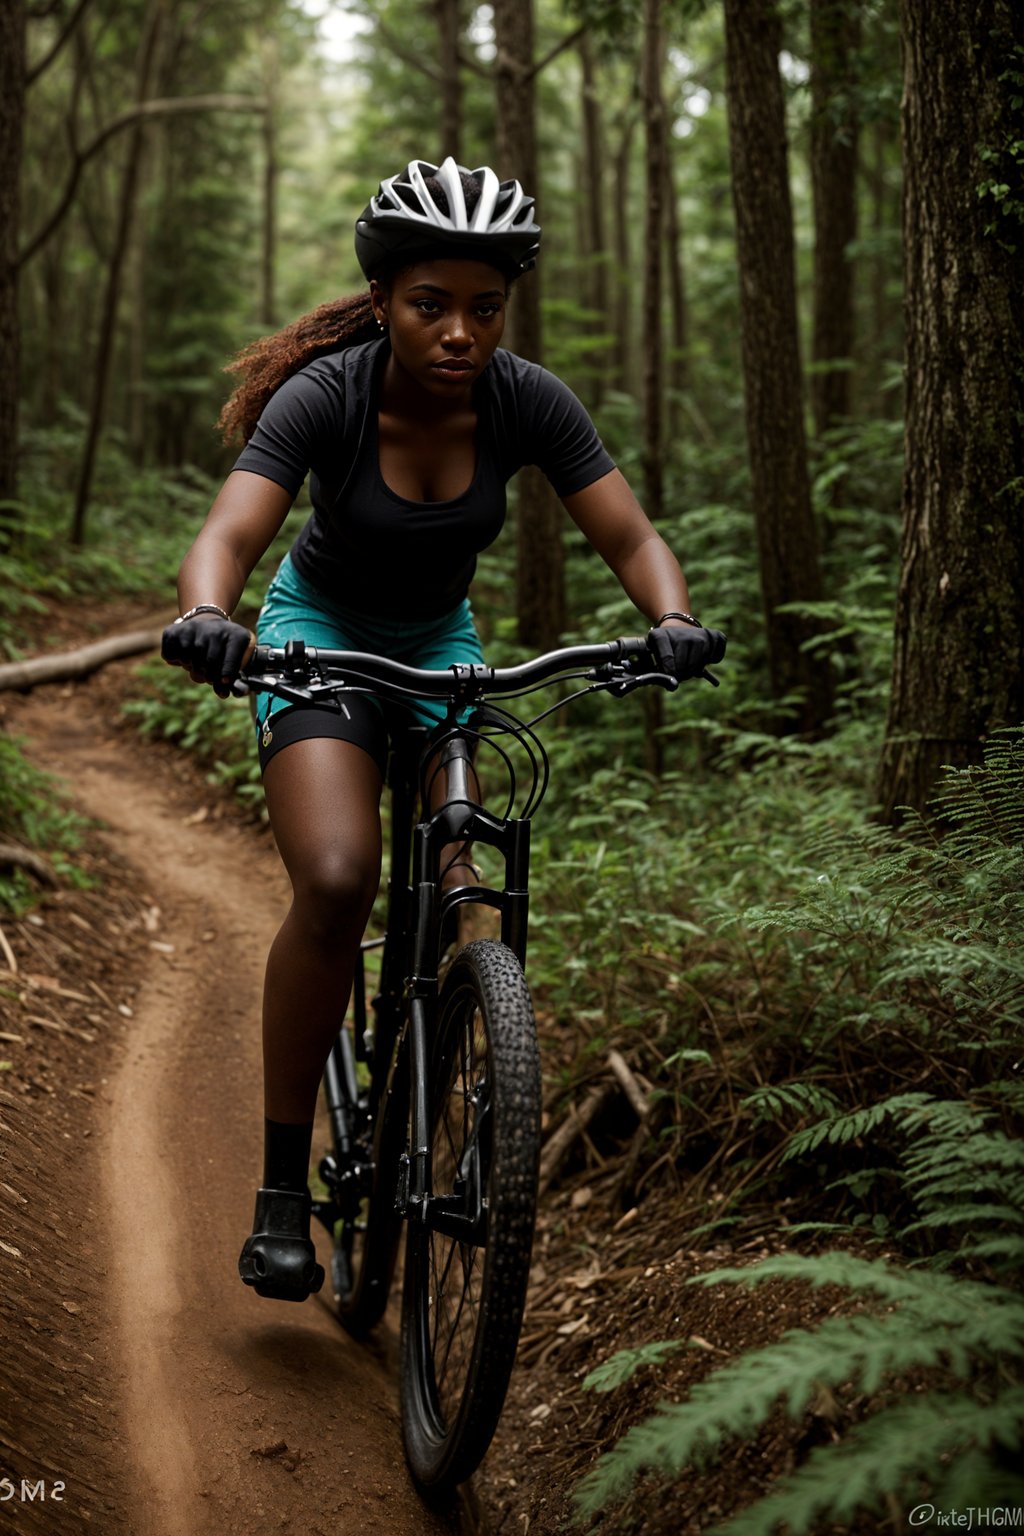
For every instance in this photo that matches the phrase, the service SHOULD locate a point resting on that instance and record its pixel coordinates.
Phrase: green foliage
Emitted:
(919, 939)
(35, 813)
(964, 1338)
(626, 1362)
(217, 732)
(1002, 190)
(129, 553)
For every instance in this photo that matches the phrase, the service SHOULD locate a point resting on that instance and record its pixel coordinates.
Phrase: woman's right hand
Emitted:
(211, 649)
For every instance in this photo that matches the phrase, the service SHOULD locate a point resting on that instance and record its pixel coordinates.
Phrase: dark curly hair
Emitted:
(266, 364)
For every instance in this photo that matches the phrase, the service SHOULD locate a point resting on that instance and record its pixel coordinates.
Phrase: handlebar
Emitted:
(299, 663)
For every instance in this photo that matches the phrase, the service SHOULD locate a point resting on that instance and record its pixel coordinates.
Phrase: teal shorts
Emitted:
(295, 610)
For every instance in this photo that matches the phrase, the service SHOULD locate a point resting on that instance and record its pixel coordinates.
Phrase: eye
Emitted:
(488, 311)
(427, 306)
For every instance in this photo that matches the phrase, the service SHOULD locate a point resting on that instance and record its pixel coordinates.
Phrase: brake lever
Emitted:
(644, 680)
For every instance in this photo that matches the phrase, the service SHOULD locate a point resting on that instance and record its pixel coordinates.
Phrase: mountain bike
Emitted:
(434, 1093)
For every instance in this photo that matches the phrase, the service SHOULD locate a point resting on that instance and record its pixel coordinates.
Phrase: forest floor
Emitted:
(166, 1397)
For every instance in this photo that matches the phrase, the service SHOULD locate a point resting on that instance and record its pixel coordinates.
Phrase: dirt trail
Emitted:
(244, 1415)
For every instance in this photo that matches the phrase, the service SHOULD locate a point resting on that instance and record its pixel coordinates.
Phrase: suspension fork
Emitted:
(459, 819)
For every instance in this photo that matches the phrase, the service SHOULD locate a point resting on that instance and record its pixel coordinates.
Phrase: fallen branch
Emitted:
(630, 1086)
(67, 666)
(560, 1143)
(14, 857)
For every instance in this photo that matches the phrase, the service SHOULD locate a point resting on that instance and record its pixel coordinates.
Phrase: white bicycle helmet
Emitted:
(447, 210)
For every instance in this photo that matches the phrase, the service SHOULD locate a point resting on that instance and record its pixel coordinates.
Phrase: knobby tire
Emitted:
(462, 1304)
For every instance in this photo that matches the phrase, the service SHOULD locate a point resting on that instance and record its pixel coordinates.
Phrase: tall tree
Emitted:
(786, 535)
(12, 116)
(958, 670)
(119, 250)
(593, 201)
(654, 221)
(540, 576)
(835, 29)
(447, 17)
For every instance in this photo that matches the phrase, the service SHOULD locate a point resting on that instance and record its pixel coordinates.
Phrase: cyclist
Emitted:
(409, 419)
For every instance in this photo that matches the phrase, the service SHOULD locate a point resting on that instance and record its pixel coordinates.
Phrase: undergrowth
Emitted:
(892, 1118)
(34, 814)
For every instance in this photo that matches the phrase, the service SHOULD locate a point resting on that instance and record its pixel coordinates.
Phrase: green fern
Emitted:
(621, 1366)
(934, 1322)
(776, 1102)
(889, 1454)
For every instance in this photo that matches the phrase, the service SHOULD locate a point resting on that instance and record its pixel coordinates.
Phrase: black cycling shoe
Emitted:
(279, 1259)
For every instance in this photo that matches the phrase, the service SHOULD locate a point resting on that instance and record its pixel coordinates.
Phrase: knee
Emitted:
(334, 895)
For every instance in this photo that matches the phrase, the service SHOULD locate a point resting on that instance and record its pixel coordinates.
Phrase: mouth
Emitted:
(453, 367)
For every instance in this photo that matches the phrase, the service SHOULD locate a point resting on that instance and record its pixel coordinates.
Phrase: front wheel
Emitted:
(465, 1286)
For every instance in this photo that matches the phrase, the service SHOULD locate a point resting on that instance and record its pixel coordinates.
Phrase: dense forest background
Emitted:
(781, 266)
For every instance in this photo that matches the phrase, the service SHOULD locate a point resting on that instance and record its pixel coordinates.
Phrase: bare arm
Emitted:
(613, 521)
(248, 512)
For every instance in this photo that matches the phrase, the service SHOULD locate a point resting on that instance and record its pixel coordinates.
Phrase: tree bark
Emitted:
(540, 579)
(12, 118)
(835, 31)
(958, 672)
(268, 262)
(112, 294)
(655, 177)
(595, 251)
(786, 534)
(447, 16)
(677, 364)
(623, 318)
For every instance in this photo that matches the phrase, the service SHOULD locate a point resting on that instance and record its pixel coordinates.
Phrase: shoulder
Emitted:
(338, 370)
(527, 385)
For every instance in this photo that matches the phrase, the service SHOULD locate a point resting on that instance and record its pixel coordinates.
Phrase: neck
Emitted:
(400, 395)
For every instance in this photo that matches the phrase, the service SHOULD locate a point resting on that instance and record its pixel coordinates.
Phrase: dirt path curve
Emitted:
(244, 1416)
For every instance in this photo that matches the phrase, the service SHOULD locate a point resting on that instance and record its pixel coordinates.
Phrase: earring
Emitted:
(383, 327)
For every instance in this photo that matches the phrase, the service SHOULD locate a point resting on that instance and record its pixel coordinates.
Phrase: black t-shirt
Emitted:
(369, 549)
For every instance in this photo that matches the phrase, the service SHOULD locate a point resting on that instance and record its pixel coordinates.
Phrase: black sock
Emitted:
(286, 1155)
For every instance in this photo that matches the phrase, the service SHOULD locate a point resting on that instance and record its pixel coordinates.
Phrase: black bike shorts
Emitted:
(295, 610)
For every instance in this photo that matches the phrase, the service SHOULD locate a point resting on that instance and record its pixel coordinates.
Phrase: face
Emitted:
(445, 319)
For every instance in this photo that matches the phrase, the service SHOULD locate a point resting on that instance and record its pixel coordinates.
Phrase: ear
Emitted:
(379, 301)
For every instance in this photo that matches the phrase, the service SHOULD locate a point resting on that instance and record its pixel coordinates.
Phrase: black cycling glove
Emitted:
(212, 649)
(683, 650)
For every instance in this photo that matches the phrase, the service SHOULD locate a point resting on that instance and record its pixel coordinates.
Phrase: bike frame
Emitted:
(419, 923)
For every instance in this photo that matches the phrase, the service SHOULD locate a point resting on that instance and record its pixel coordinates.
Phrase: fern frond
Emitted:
(775, 1101)
(618, 1368)
(864, 1349)
(962, 1215)
(885, 1455)
(853, 1126)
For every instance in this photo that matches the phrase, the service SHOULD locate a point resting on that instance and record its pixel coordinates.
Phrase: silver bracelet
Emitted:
(203, 608)
(687, 618)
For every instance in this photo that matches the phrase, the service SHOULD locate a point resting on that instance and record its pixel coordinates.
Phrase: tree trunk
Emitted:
(12, 117)
(540, 578)
(958, 672)
(447, 17)
(623, 320)
(654, 166)
(108, 319)
(677, 365)
(592, 206)
(835, 31)
(268, 263)
(786, 534)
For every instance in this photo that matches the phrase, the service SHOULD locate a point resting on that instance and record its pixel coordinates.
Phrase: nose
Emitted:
(459, 331)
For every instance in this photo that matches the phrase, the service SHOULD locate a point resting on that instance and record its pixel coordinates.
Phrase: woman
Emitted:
(410, 420)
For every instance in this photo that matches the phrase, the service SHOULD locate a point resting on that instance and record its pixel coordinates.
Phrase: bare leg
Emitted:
(323, 797)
